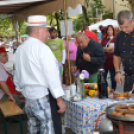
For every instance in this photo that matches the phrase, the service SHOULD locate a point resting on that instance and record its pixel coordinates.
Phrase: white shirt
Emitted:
(3, 77)
(110, 37)
(36, 70)
(11, 43)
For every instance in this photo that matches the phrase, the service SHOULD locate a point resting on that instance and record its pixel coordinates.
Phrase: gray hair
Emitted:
(31, 29)
(81, 34)
(124, 15)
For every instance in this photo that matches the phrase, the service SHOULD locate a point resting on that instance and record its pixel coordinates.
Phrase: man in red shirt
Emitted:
(88, 33)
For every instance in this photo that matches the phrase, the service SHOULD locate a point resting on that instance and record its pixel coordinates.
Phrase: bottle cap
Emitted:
(101, 69)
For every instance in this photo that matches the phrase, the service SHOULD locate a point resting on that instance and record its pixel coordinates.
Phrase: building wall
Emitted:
(121, 5)
(118, 6)
(108, 4)
(131, 2)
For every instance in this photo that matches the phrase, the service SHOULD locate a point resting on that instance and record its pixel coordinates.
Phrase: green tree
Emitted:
(89, 16)
(54, 20)
(6, 28)
(22, 28)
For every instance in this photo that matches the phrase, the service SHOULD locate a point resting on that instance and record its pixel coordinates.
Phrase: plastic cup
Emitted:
(67, 93)
(73, 90)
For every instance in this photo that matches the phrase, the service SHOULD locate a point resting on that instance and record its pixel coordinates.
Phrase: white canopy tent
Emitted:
(106, 22)
(19, 10)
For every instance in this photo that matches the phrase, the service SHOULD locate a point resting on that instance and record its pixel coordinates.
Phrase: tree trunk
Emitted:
(51, 20)
(85, 14)
(58, 26)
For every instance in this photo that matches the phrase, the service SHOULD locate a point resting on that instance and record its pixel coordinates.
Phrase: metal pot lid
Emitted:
(111, 108)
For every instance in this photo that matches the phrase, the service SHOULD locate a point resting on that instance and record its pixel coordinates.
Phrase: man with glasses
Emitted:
(124, 50)
(7, 88)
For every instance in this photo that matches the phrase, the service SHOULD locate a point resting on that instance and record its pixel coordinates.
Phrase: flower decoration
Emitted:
(76, 73)
(86, 74)
(81, 76)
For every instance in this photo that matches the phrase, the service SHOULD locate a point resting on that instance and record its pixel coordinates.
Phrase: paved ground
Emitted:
(13, 128)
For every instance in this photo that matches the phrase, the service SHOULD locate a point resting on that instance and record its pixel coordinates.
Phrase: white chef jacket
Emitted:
(36, 70)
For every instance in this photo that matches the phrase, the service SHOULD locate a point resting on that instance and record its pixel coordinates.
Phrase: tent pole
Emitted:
(66, 31)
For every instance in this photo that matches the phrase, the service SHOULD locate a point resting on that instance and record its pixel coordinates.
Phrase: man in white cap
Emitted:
(36, 71)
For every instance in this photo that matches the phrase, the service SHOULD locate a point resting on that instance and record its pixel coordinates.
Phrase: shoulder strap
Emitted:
(108, 42)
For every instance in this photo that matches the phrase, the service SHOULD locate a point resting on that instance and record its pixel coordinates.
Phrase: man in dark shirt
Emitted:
(90, 56)
(124, 50)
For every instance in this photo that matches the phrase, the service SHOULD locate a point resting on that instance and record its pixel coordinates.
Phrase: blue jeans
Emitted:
(112, 74)
(39, 116)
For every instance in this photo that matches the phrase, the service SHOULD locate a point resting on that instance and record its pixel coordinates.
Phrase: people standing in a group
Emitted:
(57, 47)
(108, 43)
(124, 50)
(88, 33)
(36, 73)
(72, 58)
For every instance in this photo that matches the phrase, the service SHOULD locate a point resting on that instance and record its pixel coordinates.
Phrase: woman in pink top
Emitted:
(72, 57)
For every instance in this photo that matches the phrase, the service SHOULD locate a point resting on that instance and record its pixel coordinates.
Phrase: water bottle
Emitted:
(102, 85)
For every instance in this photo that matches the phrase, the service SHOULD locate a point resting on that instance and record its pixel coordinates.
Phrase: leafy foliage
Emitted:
(89, 16)
(6, 28)
(22, 28)
(54, 20)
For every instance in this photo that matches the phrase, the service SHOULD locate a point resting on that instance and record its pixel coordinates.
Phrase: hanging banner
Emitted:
(70, 27)
(76, 11)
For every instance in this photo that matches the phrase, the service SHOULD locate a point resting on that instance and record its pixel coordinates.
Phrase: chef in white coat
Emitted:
(36, 71)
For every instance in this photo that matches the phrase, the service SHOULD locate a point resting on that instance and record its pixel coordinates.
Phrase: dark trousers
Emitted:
(112, 74)
(129, 80)
(14, 51)
(55, 116)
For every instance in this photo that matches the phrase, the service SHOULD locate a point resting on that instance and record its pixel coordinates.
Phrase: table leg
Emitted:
(21, 128)
(121, 128)
(5, 125)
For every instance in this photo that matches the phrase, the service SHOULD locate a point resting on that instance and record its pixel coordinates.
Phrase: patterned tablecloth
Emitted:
(81, 116)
